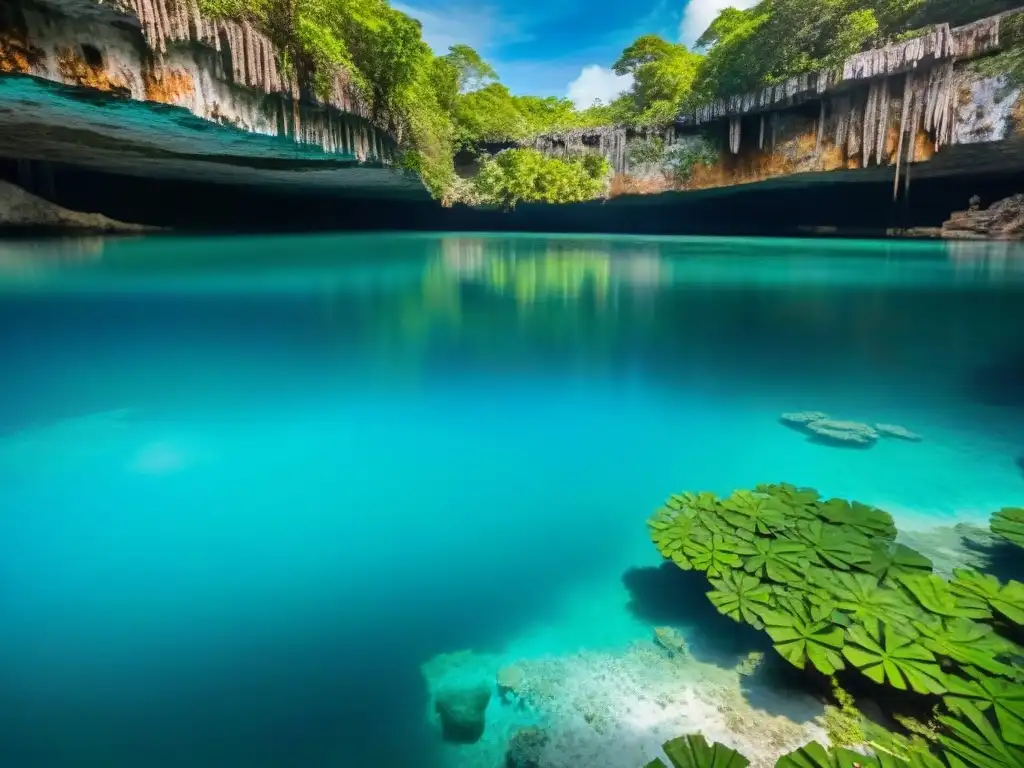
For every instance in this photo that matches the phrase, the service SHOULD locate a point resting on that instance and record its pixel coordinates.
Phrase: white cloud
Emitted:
(597, 83)
(698, 15)
(479, 27)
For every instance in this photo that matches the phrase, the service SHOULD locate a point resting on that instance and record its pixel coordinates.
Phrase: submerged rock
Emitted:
(672, 640)
(462, 713)
(844, 432)
(526, 747)
(750, 663)
(803, 417)
(510, 680)
(895, 430)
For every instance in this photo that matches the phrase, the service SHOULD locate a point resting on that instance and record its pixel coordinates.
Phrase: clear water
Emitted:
(248, 487)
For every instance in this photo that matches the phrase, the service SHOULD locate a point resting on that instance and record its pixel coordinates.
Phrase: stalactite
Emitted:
(735, 124)
(882, 118)
(854, 132)
(908, 96)
(867, 140)
(821, 133)
(841, 110)
(760, 137)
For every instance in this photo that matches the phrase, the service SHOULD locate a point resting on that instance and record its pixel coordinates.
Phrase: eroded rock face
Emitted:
(21, 210)
(1003, 220)
(462, 713)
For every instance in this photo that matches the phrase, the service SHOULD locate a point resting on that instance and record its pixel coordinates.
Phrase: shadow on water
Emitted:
(671, 596)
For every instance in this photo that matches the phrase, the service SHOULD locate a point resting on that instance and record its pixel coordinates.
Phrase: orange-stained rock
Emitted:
(168, 86)
(76, 71)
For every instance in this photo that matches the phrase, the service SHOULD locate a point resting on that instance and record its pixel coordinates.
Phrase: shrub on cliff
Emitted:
(529, 176)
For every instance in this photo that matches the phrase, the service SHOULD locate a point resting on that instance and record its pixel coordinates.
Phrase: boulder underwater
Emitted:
(820, 427)
(462, 713)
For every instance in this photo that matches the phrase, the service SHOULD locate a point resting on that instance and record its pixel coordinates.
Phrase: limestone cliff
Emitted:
(885, 108)
(167, 51)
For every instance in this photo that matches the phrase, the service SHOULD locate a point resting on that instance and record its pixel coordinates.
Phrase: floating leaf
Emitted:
(814, 755)
(891, 560)
(1004, 697)
(966, 642)
(1006, 600)
(887, 655)
(869, 521)
(973, 742)
(862, 597)
(755, 512)
(801, 639)
(833, 546)
(935, 596)
(739, 596)
(781, 560)
(670, 531)
(1009, 523)
(716, 554)
(695, 752)
(801, 502)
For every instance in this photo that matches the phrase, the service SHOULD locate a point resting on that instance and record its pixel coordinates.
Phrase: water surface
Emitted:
(249, 486)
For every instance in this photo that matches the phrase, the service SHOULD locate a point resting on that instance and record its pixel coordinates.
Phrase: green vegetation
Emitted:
(439, 105)
(529, 176)
(826, 582)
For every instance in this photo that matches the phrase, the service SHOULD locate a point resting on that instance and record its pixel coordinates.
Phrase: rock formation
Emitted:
(526, 747)
(841, 432)
(1003, 220)
(462, 713)
(168, 51)
(21, 210)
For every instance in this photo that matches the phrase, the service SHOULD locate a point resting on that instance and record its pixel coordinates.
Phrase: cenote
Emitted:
(261, 497)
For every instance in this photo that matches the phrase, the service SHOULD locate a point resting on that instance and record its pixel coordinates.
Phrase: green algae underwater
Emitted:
(266, 499)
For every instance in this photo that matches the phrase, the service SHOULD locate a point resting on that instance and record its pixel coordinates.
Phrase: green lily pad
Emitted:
(834, 547)
(755, 512)
(716, 554)
(801, 502)
(869, 521)
(1007, 601)
(1004, 697)
(800, 639)
(935, 596)
(971, 741)
(891, 560)
(739, 596)
(814, 755)
(781, 560)
(1009, 523)
(862, 597)
(886, 655)
(966, 642)
(694, 752)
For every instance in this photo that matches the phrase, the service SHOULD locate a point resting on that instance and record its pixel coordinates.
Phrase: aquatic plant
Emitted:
(828, 584)
(814, 755)
(695, 752)
(1007, 601)
(1009, 523)
(842, 723)
(887, 655)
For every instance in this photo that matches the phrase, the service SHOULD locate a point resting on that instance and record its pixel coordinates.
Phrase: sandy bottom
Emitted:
(616, 709)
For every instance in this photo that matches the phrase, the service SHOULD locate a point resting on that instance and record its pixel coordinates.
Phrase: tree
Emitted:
(473, 71)
(526, 175)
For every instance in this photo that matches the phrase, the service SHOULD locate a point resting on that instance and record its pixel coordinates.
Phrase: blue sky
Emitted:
(559, 47)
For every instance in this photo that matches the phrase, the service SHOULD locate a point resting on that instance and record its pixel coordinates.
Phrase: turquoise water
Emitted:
(250, 486)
